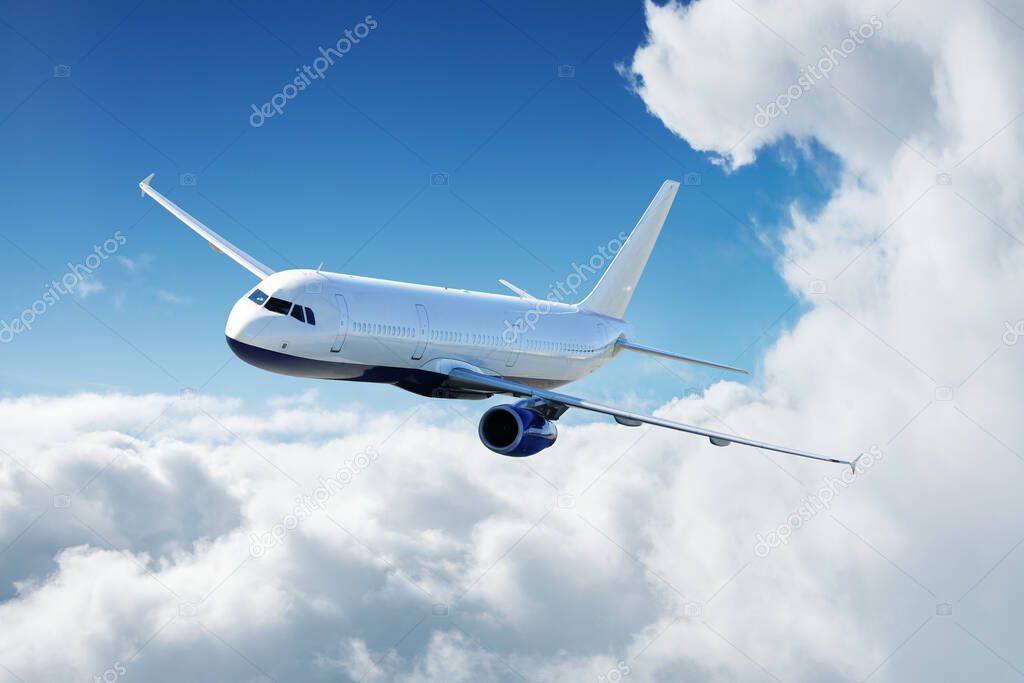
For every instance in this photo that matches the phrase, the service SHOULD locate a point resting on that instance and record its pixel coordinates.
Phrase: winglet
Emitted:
(853, 465)
(145, 183)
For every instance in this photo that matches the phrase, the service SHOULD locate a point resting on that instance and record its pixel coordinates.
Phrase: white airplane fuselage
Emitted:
(410, 335)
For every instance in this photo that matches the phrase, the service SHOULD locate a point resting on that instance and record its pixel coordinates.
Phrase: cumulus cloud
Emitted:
(192, 537)
(139, 525)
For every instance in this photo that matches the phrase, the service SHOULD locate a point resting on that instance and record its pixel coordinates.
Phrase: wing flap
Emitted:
(215, 241)
(471, 380)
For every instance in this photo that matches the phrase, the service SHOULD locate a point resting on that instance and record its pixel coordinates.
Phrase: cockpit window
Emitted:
(304, 314)
(258, 296)
(278, 305)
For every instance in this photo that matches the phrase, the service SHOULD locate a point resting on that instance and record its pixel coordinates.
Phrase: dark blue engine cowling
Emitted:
(516, 431)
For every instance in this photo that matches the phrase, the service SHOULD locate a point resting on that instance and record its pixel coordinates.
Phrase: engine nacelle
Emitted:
(515, 430)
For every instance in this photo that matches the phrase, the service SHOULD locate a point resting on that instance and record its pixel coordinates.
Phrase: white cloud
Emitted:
(910, 281)
(140, 262)
(171, 297)
(442, 561)
(419, 543)
(86, 288)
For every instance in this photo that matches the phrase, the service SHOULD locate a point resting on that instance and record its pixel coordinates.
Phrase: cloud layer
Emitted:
(180, 537)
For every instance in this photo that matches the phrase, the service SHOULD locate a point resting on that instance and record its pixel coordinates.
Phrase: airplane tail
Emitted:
(613, 291)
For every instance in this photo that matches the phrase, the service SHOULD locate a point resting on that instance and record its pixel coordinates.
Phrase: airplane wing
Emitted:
(216, 241)
(468, 379)
(521, 293)
(630, 346)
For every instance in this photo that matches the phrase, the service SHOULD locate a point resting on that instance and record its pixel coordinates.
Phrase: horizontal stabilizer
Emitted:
(630, 346)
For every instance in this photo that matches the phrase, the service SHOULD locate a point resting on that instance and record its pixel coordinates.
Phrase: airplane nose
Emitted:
(241, 325)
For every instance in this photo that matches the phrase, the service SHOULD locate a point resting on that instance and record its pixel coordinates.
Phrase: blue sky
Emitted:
(541, 170)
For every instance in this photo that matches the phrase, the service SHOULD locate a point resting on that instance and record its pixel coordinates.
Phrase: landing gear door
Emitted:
(339, 338)
(422, 332)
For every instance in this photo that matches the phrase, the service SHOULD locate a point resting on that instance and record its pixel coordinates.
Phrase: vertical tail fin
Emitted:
(613, 291)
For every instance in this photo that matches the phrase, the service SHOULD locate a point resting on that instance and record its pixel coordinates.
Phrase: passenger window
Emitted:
(297, 313)
(309, 316)
(258, 296)
(276, 305)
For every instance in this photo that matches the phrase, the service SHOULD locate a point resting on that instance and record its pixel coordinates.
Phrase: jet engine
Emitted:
(516, 430)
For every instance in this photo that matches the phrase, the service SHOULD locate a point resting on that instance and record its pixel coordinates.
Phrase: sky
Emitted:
(541, 171)
(851, 231)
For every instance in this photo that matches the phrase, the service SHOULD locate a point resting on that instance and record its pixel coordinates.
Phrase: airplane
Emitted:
(443, 342)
